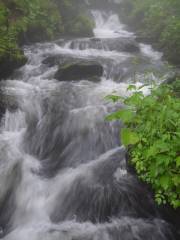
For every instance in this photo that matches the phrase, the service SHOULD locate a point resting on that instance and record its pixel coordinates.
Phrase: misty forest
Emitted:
(89, 119)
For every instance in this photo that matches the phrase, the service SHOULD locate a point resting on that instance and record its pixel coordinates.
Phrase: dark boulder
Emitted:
(2, 105)
(131, 47)
(7, 102)
(79, 71)
(8, 65)
(62, 60)
(2, 110)
(122, 44)
(34, 33)
(54, 60)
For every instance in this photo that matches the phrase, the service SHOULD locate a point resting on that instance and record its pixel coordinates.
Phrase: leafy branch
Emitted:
(152, 135)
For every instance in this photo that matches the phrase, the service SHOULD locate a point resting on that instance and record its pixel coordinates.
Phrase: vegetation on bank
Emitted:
(24, 21)
(158, 22)
(152, 135)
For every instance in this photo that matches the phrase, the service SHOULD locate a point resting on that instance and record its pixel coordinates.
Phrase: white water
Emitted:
(62, 174)
(108, 26)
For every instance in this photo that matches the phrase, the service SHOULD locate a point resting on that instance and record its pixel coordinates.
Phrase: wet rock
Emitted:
(8, 65)
(2, 110)
(79, 71)
(33, 34)
(7, 102)
(131, 47)
(117, 44)
(54, 60)
(61, 60)
(2, 105)
(123, 44)
(172, 78)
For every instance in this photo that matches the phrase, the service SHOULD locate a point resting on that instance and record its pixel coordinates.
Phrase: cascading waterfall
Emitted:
(63, 175)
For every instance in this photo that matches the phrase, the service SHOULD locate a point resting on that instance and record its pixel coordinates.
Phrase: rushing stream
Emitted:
(63, 173)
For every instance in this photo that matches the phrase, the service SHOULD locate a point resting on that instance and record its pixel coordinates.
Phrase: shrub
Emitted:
(152, 135)
(24, 21)
(80, 26)
(17, 17)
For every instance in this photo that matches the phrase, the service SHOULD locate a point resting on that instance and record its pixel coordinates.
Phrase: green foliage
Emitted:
(159, 21)
(152, 135)
(17, 17)
(129, 137)
(23, 21)
(80, 25)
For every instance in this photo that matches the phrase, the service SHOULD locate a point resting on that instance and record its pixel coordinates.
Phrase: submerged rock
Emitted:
(117, 44)
(55, 60)
(7, 102)
(79, 71)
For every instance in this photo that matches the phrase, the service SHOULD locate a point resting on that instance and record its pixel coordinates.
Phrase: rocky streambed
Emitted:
(63, 171)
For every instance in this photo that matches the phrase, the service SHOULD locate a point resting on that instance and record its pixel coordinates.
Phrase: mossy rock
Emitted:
(7, 102)
(9, 63)
(79, 71)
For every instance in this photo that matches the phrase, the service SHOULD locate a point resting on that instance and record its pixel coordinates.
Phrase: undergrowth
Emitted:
(152, 135)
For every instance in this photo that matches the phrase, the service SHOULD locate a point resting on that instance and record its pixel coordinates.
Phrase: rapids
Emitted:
(63, 173)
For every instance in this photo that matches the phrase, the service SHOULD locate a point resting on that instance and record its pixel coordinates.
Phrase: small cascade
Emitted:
(63, 172)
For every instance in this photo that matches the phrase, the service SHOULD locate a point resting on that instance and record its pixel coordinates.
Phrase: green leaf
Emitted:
(152, 151)
(135, 99)
(176, 180)
(176, 203)
(112, 117)
(144, 85)
(114, 98)
(178, 161)
(126, 115)
(165, 181)
(163, 159)
(153, 171)
(159, 200)
(131, 87)
(129, 137)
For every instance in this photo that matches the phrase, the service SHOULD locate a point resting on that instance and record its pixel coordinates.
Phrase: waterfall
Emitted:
(63, 172)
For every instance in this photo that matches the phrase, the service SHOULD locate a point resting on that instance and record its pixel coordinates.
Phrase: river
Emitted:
(63, 172)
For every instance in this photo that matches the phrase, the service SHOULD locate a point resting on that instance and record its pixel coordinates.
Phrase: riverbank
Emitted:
(157, 23)
(26, 22)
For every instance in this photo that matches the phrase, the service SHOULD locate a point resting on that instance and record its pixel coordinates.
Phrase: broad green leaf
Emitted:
(114, 98)
(131, 87)
(176, 203)
(165, 181)
(129, 137)
(153, 171)
(135, 99)
(163, 159)
(152, 151)
(126, 115)
(178, 161)
(112, 117)
(176, 180)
